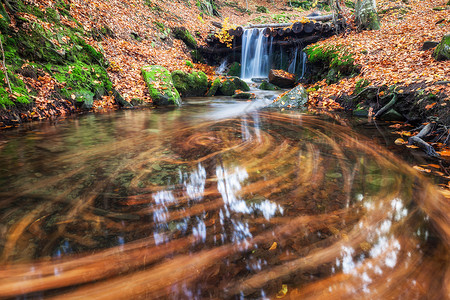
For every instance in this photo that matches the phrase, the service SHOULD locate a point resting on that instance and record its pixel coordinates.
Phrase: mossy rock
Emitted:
(267, 86)
(216, 84)
(442, 51)
(295, 98)
(230, 85)
(160, 85)
(243, 95)
(235, 69)
(183, 34)
(190, 84)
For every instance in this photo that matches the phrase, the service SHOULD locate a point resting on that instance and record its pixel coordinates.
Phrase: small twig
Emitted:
(4, 66)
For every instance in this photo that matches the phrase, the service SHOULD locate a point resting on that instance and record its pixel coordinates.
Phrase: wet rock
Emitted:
(295, 98)
(268, 86)
(281, 78)
(231, 85)
(442, 51)
(216, 84)
(120, 100)
(243, 95)
(235, 69)
(160, 85)
(190, 84)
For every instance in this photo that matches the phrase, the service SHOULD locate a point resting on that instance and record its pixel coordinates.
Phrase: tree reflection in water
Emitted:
(154, 207)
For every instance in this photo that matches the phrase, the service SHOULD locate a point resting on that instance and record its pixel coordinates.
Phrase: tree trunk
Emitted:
(366, 14)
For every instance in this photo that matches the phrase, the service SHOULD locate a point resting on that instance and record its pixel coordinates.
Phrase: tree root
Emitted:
(417, 140)
(387, 107)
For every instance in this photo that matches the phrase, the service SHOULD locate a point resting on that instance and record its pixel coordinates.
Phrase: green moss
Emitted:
(183, 34)
(230, 85)
(442, 50)
(82, 83)
(197, 56)
(189, 64)
(160, 85)
(190, 84)
(332, 62)
(268, 86)
(235, 69)
(216, 84)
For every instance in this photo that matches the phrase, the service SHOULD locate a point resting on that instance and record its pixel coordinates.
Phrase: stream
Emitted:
(218, 199)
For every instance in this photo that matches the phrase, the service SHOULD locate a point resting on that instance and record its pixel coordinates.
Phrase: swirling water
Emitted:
(218, 199)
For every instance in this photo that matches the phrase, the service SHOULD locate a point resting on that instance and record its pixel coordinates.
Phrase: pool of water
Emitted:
(217, 199)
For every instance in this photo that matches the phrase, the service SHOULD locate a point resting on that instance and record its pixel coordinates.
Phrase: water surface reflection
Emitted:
(193, 203)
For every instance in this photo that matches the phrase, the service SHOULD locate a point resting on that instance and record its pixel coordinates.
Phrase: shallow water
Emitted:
(217, 199)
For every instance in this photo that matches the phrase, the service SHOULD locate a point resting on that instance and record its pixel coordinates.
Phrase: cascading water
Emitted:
(304, 60)
(292, 66)
(255, 54)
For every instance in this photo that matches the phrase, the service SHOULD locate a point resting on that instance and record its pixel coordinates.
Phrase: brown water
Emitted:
(215, 200)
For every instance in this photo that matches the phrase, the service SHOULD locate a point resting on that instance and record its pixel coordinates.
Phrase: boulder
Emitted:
(295, 98)
(235, 69)
(268, 86)
(442, 51)
(281, 78)
(215, 85)
(243, 95)
(160, 86)
(190, 84)
(231, 84)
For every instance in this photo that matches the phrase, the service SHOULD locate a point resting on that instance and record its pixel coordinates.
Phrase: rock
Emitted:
(442, 50)
(281, 78)
(216, 84)
(295, 98)
(138, 102)
(85, 98)
(243, 95)
(360, 112)
(160, 86)
(235, 69)
(268, 86)
(231, 84)
(120, 100)
(190, 84)
(183, 34)
(429, 45)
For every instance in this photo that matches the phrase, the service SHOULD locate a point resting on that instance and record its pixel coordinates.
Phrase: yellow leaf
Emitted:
(400, 141)
(273, 247)
(281, 293)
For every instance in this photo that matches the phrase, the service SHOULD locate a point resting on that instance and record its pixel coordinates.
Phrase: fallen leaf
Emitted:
(281, 293)
(273, 247)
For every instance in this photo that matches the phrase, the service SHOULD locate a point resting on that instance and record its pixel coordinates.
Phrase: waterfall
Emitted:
(292, 66)
(255, 54)
(304, 60)
(221, 69)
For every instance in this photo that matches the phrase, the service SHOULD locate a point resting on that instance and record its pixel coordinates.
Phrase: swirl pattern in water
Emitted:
(174, 205)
